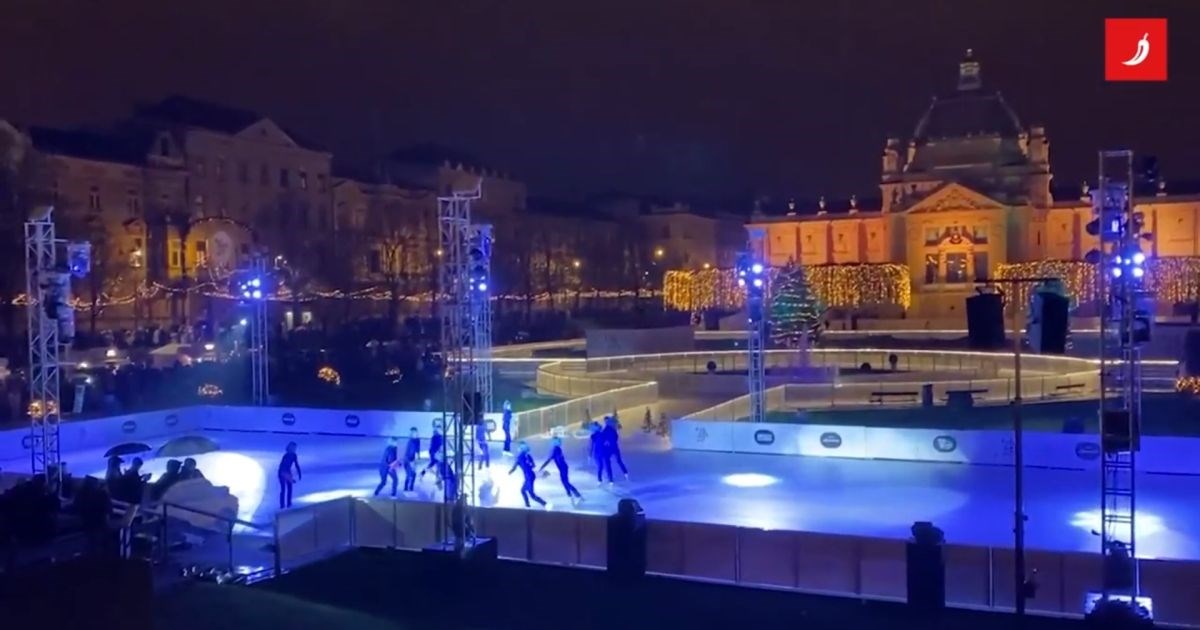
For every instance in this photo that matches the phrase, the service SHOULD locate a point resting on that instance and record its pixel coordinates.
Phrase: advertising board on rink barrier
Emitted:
(1165, 455)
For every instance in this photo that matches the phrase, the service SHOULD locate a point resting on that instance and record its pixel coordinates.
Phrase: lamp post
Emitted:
(1020, 594)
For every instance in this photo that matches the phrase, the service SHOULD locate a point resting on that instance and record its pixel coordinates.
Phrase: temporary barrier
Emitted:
(865, 567)
(1167, 455)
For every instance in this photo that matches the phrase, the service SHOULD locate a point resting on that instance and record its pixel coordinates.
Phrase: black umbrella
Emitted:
(188, 445)
(128, 448)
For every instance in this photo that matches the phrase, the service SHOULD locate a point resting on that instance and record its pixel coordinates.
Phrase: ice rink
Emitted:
(973, 504)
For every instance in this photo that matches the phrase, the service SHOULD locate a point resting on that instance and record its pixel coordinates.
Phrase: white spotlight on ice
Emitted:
(1147, 524)
(749, 480)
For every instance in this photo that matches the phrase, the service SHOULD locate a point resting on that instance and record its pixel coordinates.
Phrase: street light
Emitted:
(659, 252)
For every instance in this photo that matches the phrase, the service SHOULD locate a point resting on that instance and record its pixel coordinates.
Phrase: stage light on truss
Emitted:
(1138, 258)
(243, 321)
(1138, 272)
(757, 268)
(1116, 272)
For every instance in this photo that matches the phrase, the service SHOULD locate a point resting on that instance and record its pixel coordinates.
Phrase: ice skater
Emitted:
(506, 425)
(525, 463)
(435, 447)
(412, 450)
(560, 460)
(598, 454)
(286, 479)
(448, 480)
(387, 467)
(612, 445)
(485, 458)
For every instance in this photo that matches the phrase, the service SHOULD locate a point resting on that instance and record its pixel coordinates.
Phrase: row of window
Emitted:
(199, 168)
(133, 201)
(957, 271)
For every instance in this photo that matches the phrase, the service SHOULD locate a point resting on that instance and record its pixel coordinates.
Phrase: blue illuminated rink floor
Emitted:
(973, 504)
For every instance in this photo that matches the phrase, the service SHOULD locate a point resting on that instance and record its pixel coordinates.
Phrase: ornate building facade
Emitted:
(965, 196)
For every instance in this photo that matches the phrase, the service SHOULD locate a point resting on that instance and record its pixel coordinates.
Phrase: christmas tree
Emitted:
(795, 309)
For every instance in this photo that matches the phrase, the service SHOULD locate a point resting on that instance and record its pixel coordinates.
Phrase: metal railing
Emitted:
(232, 544)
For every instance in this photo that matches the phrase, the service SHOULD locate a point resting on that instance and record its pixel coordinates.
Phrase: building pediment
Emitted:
(266, 131)
(951, 197)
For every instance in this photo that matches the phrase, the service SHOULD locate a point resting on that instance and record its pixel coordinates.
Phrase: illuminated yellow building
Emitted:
(968, 193)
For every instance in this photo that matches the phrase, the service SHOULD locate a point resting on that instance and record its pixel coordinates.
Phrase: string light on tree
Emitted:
(795, 309)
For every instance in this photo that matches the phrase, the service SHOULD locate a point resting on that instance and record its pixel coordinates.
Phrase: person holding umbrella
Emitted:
(286, 480)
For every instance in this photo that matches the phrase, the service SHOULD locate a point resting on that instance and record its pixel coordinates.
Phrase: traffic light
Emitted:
(985, 321)
(1049, 321)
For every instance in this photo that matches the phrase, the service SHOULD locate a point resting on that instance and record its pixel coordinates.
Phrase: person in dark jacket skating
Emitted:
(525, 463)
(560, 460)
(287, 463)
(485, 458)
(387, 467)
(506, 425)
(612, 446)
(598, 453)
(447, 479)
(435, 447)
(412, 450)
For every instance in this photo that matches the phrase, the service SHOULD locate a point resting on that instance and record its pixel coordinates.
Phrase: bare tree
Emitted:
(22, 188)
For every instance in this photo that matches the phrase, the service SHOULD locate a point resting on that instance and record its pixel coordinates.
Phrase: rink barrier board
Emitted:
(1158, 454)
(832, 564)
(156, 427)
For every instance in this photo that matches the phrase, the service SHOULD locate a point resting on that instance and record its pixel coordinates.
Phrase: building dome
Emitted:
(971, 126)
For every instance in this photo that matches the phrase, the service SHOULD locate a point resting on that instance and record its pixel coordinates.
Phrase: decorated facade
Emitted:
(966, 198)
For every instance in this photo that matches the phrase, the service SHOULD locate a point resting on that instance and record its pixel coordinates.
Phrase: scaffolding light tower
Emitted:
(459, 410)
(752, 276)
(481, 311)
(1126, 316)
(254, 287)
(50, 326)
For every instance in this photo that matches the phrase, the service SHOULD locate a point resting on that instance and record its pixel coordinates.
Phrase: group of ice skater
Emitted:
(604, 446)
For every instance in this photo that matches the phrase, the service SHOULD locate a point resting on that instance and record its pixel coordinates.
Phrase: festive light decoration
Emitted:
(329, 375)
(795, 309)
(1174, 280)
(1188, 385)
(35, 408)
(209, 390)
(836, 286)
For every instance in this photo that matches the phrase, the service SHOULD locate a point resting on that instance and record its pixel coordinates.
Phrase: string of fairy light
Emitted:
(837, 286)
(152, 291)
(1174, 280)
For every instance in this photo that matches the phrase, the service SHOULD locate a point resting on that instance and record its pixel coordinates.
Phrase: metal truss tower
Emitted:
(481, 311)
(260, 332)
(41, 273)
(459, 410)
(752, 276)
(1125, 322)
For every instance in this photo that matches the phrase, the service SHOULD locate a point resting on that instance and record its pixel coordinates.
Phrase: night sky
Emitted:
(686, 98)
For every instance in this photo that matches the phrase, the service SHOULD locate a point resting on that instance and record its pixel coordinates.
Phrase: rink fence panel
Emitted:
(852, 566)
(1159, 454)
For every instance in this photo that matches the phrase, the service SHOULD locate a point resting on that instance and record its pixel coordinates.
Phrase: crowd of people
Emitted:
(44, 507)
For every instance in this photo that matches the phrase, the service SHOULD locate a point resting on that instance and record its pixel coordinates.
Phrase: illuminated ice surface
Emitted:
(973, 504)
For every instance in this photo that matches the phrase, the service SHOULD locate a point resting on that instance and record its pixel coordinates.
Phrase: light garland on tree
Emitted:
(836, 286)
(1173, 280)
(329, 375)
(795, 309)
